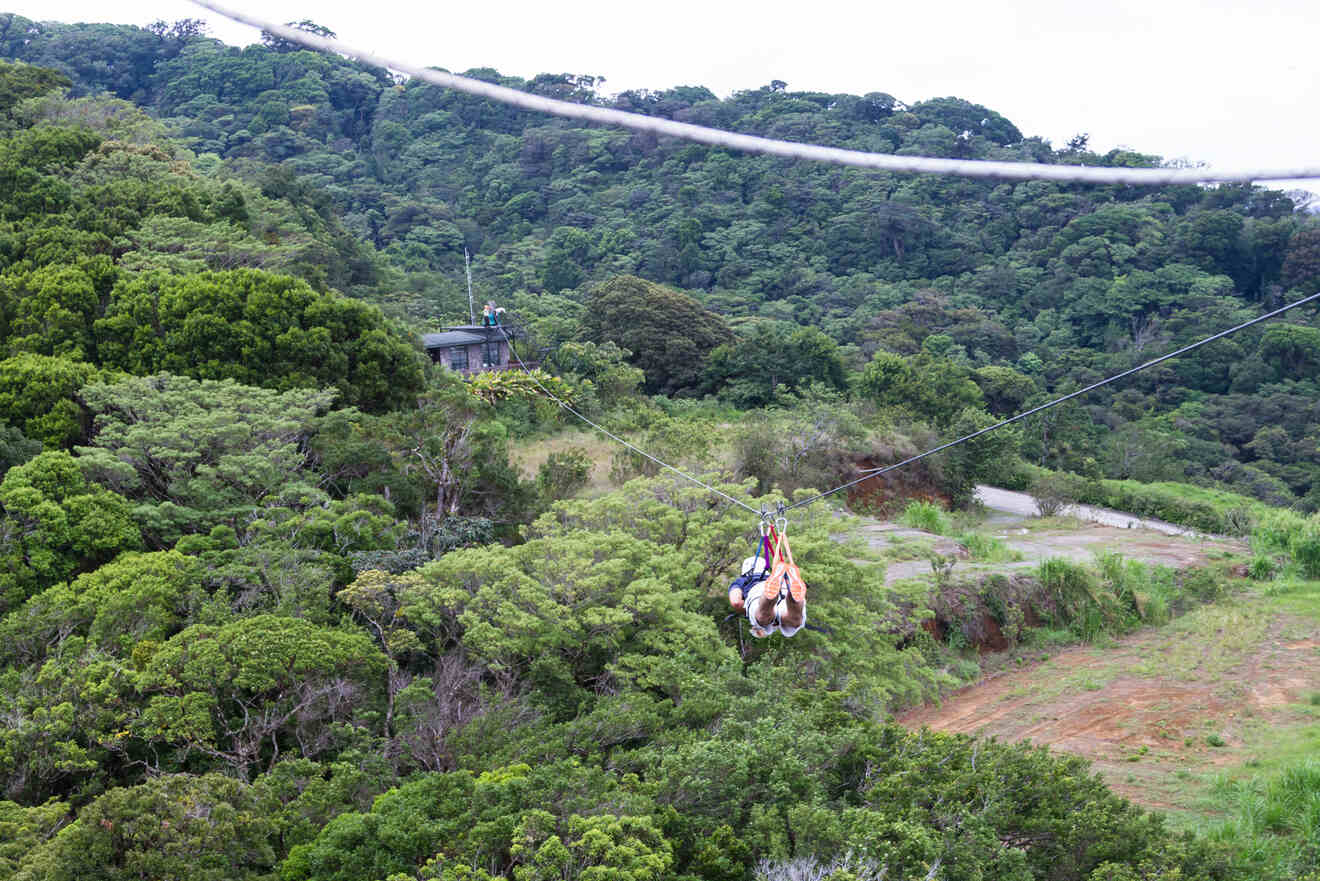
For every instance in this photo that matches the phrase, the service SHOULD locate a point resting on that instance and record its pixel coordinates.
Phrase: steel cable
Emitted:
(876, 472)
(769, 146)
(978, 168)
(638, 450)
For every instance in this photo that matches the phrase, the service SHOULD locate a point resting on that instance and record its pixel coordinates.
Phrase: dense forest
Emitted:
(276, 601)
(1060, 284)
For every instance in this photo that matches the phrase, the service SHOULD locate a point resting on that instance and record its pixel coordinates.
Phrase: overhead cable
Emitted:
(768, 146)
(638, 450)
(995, 170)
(876, 472)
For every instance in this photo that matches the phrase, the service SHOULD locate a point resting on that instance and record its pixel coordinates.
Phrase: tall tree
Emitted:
(55, 523)
(668, 333)
(770, 357)
(197, 454)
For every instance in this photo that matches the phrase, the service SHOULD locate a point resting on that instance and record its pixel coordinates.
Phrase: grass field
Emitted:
(530, 456)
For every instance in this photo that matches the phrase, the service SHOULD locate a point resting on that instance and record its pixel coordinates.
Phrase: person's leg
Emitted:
(760, 611)
(799, 615)
(792, 614)
(772, 590)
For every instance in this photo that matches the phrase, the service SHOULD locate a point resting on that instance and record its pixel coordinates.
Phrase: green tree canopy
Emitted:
(668, 333)
(38, 394)
(135, 597)
(773, 357)
(15, 448)
(197, 454)
(178, 827)
(19, 81)
(259, 329)
(927, 385)
(243, 693)
(55, 523)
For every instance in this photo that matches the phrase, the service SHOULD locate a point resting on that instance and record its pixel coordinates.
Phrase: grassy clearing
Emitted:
(1207, 642)
(530, 456)
(1295, 596)
(1271, 820)
(1199, 713)
(1210, 640)
(1218, 761)
(1272, 755)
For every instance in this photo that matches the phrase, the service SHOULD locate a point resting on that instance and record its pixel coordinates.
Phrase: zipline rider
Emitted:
(770, 587)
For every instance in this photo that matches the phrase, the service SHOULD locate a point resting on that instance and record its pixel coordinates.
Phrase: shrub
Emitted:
(1202, 585)
(678, 442)
(1305, 547)
(1211, 511)
(926, 516)
(1054, 492)
(1155, 610)
(1240, 520)
(1273, 822)
(987, 459)
(1017, 475)
(1274, 531)
(1076, 598)
(1147, 592)
(1283, 585)
(806, 440)
(755, 453)
(987, 548)
(564, 473)
(1261, 567)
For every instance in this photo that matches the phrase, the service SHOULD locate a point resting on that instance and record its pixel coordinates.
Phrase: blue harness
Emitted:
(748, 580)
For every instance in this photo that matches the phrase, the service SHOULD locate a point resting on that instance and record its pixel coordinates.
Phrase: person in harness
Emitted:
(769, 587)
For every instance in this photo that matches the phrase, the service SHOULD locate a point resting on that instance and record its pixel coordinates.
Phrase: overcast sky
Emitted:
(1202, 80)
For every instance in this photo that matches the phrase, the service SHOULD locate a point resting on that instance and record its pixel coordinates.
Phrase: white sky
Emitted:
(1204, 80)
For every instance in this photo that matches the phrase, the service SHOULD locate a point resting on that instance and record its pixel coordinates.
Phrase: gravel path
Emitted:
(1010, 514)
(1023, 505)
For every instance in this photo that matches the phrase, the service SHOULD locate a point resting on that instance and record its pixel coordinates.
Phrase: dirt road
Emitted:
(1214, 689)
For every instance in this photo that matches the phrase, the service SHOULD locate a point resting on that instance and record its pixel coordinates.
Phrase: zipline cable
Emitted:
(768, 146)
(876, 472)
(638, 450)
(979, 168)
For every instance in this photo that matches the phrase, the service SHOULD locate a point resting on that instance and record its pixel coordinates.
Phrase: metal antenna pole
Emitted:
(467, 265)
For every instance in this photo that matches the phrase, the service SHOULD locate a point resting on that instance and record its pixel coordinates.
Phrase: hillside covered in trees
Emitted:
(1060, 284)
(275, 601)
